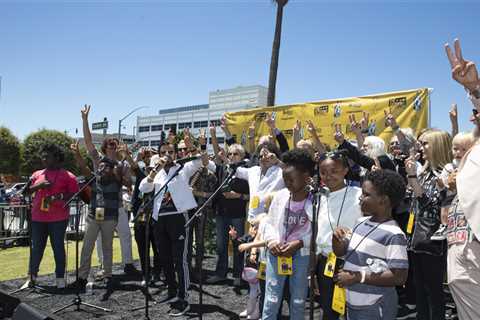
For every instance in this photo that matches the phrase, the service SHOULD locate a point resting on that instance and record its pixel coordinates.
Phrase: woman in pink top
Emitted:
(51, 188)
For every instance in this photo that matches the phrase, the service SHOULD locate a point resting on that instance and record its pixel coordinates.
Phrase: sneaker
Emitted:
(170, 298)
(99, 275)
(243, 314)
(130, 270)
(440, 234)
(30, 283)
(78, 284)
(60, 282)
(179, 308)
(215, 279)
(406, 311)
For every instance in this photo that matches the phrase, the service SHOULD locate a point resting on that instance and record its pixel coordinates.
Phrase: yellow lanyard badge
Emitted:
(330, 265)
(411, 220)
(254, 202)
(285, 266)
(262, 271)
(99, 214)
(339, 300)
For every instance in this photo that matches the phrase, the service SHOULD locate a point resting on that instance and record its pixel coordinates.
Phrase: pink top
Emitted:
(62, 181)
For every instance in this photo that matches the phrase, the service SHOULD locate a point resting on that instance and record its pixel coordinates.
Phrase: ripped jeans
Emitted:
(274, 287)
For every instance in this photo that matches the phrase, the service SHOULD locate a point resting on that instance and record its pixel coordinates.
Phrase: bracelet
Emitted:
(412, 176)
(363, 274)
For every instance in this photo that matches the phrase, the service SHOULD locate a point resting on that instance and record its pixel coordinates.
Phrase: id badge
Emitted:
(262, 270)
(411, 219)
(99, 214)
(285, 266)
(254, 202)
(45, 204)
(339, 300)
(330, 265)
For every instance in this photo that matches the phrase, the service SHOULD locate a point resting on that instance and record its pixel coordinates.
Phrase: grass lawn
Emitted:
(14, 261)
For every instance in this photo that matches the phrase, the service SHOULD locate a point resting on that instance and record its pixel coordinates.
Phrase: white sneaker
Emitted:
(440, 234)
(243, 314)
(60, 283)
(30, 283)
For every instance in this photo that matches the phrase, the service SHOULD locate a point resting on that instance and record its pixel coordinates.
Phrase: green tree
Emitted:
(34, 142)
(9, 152)
(272, 80)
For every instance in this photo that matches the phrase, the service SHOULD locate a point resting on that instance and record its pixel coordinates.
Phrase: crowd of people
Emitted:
(394, 219)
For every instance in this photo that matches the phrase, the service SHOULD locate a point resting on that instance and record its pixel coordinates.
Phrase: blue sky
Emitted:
(116, 55)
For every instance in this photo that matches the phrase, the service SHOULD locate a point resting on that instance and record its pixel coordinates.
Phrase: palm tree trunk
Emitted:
(272, 81)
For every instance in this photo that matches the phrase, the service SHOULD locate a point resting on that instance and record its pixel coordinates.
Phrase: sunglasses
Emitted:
(475, 112)
(165, 152)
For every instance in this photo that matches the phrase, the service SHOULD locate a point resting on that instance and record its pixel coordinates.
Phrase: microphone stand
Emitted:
(313, 249)
(148, 215)
(28, 209)
(78, 300)
(198, 214)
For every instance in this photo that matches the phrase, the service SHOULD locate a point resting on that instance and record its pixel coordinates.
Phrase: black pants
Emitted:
(326, 286)
(198, 226)
(140, 229)
(172, 243)
(429, 275)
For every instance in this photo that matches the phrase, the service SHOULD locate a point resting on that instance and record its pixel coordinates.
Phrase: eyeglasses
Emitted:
(394, 143)
(165, 152)
(182, 149)
(233, 154)
(112, 145)
(475, 112)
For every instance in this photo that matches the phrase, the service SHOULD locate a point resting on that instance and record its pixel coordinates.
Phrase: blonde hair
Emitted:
(440, 148)
(306, 144)
(465, 139)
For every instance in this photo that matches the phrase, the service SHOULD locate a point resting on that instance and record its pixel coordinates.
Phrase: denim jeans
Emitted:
(222, 224)
(298, 282)
(40, 232)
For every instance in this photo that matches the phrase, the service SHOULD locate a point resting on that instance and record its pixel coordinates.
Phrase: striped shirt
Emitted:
(386, 242)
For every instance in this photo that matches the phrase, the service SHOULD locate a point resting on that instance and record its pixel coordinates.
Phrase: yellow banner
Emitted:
(410, 109)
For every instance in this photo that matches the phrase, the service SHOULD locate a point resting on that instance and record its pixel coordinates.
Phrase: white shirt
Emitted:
(331, 213)
(179, 188)
(260, 186)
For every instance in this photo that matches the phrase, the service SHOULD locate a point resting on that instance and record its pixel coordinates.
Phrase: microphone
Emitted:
(25, 187)
(187, 159)
(240, 163)
(315, 187)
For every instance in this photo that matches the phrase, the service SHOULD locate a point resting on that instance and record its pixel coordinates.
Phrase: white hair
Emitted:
(376, 146)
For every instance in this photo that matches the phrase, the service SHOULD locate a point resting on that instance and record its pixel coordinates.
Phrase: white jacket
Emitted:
(274, 228)
(179, 188)
(260, 186)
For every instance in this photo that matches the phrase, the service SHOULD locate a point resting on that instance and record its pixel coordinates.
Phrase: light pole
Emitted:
(128, 115)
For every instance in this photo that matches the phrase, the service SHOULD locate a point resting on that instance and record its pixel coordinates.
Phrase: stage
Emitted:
(222, 301)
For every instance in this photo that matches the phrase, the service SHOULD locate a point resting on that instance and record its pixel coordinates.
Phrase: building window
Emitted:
(157, 128)
(219, 140)
(155, 143)
(215, 123)
(169, 126)
(143, 143)
(200, 124)
(144, 129)
(183, 125)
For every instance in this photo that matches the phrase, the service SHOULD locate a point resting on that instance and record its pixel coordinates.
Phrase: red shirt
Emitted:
(62, 181)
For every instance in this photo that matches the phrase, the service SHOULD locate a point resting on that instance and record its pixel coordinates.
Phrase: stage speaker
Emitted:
(7, 304)
(26, 312)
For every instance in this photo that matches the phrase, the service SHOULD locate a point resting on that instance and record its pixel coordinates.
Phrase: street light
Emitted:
(128, 115)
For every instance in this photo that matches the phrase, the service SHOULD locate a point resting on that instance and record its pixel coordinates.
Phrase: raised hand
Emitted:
(311, 128)
(453, 113)
(354, 125)
(187, 138)
(270, 121)
(74, 147)
(411, 163)
(213, 129)
(463, 71)
(85, 111)
(251, 129)
(365, 121)
(339, 137)
(202, 138)
(232, 232)
(390, 120)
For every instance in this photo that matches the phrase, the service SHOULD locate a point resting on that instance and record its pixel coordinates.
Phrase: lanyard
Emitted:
(339, 213)
(365, 236)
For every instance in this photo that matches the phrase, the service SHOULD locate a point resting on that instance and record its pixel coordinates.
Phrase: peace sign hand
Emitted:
(232, 232)
(339, 137)
(354, 125)
(453, 113)
(463, 71)
(365, 122)
(85, 111)
(390, 120)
